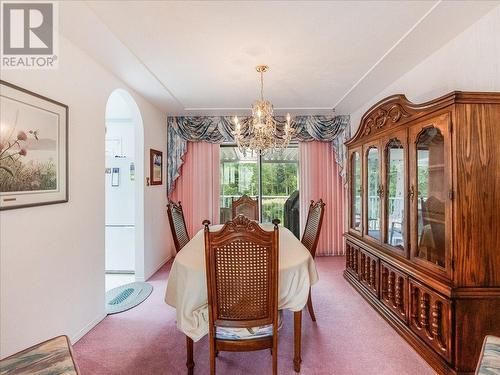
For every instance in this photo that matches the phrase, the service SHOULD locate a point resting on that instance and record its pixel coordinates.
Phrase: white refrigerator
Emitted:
(120, 214)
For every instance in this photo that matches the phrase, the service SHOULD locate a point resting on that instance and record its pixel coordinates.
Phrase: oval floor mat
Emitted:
(127, 296)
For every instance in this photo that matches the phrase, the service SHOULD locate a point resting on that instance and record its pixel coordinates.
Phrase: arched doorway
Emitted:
(124, 168)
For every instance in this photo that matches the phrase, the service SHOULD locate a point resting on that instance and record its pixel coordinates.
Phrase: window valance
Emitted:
(217, 129)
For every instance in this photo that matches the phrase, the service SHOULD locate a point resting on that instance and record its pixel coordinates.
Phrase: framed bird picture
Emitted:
(33, 149)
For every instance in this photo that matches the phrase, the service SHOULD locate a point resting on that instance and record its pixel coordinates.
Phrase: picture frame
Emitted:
(155, 167)
(33, 149)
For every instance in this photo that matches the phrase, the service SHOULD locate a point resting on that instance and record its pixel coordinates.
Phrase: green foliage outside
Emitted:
(279, 180)
(247, 184)
(373, 175)
(423, 181)
(422, 178)
(393, 179)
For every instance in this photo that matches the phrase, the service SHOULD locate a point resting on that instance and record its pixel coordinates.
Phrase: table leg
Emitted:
(189, 352)
(297, 326)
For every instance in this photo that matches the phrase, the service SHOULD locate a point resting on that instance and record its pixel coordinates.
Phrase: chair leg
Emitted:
(297, 326)
(212, 357)
(189, 357)
(275, 364)
(310, 307)
(274, 352)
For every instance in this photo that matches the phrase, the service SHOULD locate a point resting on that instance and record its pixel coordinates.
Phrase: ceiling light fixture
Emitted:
(260, 133)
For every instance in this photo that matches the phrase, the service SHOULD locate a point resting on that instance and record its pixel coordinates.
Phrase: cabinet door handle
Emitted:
(381, 191)
(411, 193)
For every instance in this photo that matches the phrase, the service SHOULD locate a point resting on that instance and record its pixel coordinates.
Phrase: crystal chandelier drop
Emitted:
(260, 132)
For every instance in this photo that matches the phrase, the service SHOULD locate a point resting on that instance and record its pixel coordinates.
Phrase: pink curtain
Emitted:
(319, 178)
(198, 185)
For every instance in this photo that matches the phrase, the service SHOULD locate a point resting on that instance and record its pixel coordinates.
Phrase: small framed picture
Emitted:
(33, 149)
(156, 167)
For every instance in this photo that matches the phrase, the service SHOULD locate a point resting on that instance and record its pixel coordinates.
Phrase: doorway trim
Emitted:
(139, 178)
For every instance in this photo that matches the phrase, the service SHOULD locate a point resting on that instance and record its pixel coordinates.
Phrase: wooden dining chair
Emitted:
(246, 206)
(242, 281)
(310, 238)
(177, 225)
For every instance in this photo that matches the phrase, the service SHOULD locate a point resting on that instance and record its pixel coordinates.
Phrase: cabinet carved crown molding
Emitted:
(379, 119)
(396, 110)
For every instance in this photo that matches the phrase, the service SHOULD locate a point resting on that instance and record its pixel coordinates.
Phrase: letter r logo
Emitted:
(28, 28)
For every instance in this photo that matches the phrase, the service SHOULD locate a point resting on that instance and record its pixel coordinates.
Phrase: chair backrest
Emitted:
(242, 274)
(225, 215)
(246, 206)
(177, 225)
(312, 230)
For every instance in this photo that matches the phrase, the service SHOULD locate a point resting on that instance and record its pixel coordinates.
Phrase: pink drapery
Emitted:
(198, 187)
(319, 178)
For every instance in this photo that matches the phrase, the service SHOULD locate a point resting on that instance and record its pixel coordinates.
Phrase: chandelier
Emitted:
(260, 133)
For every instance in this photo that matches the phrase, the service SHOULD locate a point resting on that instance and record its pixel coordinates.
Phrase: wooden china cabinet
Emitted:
(423, 238)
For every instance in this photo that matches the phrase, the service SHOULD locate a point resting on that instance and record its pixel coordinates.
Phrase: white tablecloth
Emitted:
(187, 287)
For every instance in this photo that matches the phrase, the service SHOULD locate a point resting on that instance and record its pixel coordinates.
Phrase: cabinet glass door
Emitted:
(356, 191)
(373, 190)
(429, 193)
(395, 192)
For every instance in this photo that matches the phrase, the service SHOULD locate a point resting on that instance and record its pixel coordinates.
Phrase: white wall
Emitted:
(52, 257)
(469, 62)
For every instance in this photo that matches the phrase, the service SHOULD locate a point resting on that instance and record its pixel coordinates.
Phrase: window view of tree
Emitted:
(279, 181)
(240, 175)
(239, 179)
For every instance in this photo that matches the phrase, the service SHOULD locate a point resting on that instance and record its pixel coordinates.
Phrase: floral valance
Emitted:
(217, 129)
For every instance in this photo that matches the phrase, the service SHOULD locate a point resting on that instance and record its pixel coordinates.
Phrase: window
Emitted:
(273, 179)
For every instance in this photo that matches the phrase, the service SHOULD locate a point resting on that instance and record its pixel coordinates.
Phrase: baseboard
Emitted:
(160, 265)
(74, 338)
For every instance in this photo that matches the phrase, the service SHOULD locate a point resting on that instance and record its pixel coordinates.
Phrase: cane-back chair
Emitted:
(310, 238)
(242, 281)
(177, 225)
(246, 206)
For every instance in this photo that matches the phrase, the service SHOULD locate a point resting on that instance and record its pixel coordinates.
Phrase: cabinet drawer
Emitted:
(368, 271)
(351, 258)
(430, 318)
(394, 290)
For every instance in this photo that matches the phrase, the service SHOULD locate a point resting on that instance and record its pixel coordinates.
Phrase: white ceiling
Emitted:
(198, 58)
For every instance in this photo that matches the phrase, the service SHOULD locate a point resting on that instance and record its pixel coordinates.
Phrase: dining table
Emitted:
(187, 286)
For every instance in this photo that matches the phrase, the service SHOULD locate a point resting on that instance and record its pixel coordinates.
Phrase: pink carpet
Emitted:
(348, 338)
